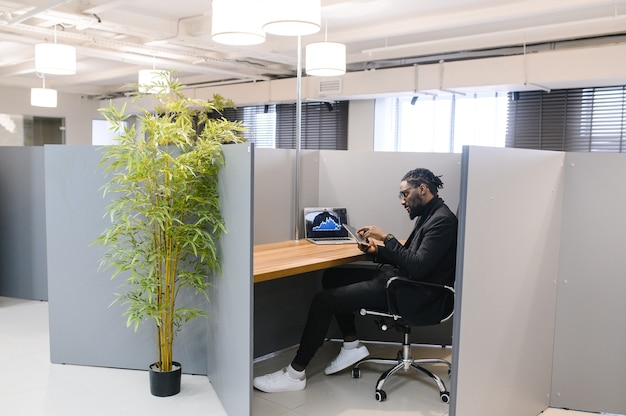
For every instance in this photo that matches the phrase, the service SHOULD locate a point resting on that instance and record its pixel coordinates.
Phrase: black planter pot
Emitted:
(165, 383)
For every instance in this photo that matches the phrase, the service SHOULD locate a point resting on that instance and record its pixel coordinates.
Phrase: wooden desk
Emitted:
(286, 258)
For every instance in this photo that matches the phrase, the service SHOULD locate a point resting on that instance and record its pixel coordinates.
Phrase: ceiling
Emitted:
(116, 38)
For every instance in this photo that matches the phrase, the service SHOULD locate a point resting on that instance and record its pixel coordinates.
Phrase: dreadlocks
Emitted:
(419, 176)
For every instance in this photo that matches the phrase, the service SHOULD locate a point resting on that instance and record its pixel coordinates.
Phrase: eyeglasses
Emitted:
(403, 194)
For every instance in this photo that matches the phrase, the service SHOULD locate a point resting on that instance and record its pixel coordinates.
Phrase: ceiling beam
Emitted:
(37, 10)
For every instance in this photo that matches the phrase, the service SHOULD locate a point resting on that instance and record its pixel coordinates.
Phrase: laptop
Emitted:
(325, 225)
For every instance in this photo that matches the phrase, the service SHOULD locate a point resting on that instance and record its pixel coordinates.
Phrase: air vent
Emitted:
(330, 86)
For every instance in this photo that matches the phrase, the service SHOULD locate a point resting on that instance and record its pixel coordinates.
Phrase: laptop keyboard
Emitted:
(331, 240)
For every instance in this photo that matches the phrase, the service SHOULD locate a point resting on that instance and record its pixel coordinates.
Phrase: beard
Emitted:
(416, 209)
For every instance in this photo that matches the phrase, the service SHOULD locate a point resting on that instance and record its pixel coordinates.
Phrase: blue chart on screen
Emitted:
(327, 225)
(324, 225)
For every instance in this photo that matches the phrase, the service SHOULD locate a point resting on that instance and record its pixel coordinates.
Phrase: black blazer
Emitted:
(428, 255)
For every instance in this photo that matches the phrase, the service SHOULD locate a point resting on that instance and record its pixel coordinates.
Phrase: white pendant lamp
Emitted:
(43, 97)
(55, 59)
(292, 17)
(237, 22)
(153, 81)
(325, 59)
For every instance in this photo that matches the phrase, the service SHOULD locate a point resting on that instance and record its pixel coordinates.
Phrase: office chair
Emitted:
(404, 295)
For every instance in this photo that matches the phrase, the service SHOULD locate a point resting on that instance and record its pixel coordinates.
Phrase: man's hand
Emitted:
(372, 231)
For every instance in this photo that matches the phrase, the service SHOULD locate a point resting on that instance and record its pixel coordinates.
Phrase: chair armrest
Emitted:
(402, 281)
(420, 303)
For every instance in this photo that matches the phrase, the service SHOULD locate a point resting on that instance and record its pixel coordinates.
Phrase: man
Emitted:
(429, 254)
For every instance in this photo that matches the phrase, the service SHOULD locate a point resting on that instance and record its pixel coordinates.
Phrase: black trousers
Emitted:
(346, 291)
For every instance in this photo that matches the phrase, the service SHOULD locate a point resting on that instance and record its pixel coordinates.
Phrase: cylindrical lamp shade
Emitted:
(237, 22)
(54, 58)
(43, 97)
(325, 59)
(292, 17)
(153, 81)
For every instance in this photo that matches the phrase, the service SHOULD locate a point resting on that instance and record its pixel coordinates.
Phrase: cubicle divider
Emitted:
(230, 342)
(22, 223)
(85, 330)
(590, 340)
(274, 192)
(510, 223)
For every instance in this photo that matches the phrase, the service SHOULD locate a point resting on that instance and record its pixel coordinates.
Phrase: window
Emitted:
(102, 135)
(440, 123)
(323, 125)
(574, 120)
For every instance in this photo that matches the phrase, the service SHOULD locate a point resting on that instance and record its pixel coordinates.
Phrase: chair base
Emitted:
(405, 362)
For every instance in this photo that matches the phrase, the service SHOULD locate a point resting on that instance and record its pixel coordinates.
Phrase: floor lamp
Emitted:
(280, 17)
(289, 18)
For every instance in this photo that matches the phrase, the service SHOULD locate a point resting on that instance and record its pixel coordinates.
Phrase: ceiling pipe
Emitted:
(141, 55)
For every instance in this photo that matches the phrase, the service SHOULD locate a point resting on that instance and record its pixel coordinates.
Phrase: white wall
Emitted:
(78, 111)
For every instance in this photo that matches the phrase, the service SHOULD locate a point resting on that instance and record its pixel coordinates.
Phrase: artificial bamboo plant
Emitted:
(165, 216)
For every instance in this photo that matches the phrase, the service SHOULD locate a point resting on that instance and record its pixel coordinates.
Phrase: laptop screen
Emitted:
(325, 222)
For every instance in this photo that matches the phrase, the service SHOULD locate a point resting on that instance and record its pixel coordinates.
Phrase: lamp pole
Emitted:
(298, 139)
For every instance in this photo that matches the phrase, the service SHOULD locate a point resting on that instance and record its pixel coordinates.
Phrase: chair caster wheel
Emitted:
(381, 396)
(445, 397)
(356, 372)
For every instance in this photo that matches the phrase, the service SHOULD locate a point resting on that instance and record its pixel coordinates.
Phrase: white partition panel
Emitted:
(506, 293)
(590, 342)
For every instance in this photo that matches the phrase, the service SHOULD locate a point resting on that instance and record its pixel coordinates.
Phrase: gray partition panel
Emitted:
(273, 195)
(274, 192)
(84, 329)
(504, 322)
(589, 360)
(229, 353)
(22, 223)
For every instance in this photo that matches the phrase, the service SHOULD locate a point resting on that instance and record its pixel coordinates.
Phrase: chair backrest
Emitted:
(420, 303)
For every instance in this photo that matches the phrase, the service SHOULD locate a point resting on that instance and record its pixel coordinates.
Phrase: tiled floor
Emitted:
(31, 386)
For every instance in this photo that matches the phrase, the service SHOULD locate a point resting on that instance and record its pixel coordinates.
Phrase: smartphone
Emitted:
(352, 231)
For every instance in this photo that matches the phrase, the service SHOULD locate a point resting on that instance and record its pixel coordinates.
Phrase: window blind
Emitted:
(323, 126)
(575, 120)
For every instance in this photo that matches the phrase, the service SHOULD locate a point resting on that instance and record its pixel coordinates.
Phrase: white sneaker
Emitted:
(346, 358)
(279, 381)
